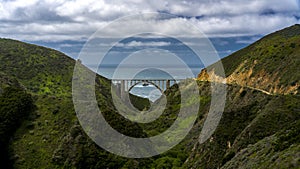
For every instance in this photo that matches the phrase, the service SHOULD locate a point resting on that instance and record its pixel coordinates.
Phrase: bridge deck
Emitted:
(127, 84)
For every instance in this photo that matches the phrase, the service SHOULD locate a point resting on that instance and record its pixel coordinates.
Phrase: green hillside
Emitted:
(259, 127)
(43, 71)
(47, 75)
(52, 136)
(249, 118)
(270, 64)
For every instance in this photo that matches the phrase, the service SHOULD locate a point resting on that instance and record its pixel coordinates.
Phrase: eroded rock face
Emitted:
(248, 77)
(210, 76)
(203, 75)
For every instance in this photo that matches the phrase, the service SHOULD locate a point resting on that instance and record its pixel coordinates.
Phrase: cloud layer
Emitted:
(57, 20)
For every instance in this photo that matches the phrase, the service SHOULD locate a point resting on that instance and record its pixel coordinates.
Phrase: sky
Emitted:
(66, 25)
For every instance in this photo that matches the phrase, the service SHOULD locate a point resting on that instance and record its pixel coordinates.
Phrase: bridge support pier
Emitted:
(168, 84)
(122, 90)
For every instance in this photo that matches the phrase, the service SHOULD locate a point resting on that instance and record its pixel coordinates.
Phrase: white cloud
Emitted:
(231, 7)
(247, 41)
(243, 25)
(139, 43)
(57, 20)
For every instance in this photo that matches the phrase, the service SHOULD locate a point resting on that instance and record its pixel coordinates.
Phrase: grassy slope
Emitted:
(249, 117)
(254, 123)
(53, 138)
(47, 75)
(43, 71)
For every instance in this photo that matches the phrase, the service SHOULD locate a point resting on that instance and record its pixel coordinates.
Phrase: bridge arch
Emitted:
(146, 81)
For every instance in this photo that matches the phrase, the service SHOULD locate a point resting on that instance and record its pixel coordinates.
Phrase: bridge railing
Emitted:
(161, 84)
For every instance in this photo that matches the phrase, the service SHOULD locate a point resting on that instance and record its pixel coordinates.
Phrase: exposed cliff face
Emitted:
(270, 64)
(203, 75)
(210, 76)
(262, 80)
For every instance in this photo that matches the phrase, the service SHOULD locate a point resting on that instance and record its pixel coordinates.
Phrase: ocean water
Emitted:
(149, 91)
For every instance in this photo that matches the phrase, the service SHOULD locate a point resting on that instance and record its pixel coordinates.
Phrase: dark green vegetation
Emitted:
(54, 138)
(257, 130)
(15, 106)
(249, 117)
(140, 103)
